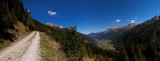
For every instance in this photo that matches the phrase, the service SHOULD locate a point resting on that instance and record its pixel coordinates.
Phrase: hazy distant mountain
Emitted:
(111, 33)
(54, 25)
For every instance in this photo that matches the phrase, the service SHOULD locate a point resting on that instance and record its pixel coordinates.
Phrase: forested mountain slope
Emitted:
(142, 43)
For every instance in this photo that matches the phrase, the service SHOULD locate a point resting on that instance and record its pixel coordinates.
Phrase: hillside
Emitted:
(142, 42)
(138, 43)
(16, 21)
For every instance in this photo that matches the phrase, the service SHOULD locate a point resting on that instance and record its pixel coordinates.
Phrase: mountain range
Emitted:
(112, 33)
(54, 25)
(135, 42)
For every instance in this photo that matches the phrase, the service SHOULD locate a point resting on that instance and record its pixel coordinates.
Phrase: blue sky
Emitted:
(92, 15)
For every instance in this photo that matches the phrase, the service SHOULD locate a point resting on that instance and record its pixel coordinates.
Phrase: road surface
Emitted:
(26, 49)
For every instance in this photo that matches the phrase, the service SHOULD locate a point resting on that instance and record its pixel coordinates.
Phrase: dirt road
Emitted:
(26, 49)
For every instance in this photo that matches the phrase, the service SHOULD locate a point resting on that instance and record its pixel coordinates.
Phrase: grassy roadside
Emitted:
(5, 44)
(50, 49)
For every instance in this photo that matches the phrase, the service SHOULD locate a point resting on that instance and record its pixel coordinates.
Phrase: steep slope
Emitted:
(15, 21)
(142, 42)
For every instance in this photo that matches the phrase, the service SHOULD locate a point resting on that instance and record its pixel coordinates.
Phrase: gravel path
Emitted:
(26, 49)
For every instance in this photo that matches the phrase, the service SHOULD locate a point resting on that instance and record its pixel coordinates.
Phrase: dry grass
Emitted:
(5, 44)
(20, 30)
(50, 49)
(86, 58)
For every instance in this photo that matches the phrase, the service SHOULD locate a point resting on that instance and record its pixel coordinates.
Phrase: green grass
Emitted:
(105, 44)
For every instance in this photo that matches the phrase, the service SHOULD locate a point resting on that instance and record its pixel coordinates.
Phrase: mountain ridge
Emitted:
(111, 33)
(142, 41)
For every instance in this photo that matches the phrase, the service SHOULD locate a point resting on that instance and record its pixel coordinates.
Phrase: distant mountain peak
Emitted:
(54, 25)
(132, 24)
(153, 20)
(112, 33)
(156, 18)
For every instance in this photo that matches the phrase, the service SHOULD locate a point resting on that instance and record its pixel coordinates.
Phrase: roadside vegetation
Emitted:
(50, 49)
(4, 44)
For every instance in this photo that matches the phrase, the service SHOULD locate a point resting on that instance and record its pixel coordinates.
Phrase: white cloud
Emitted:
(118, 20)
(133, 21)
(135, 18)
(52, 13)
